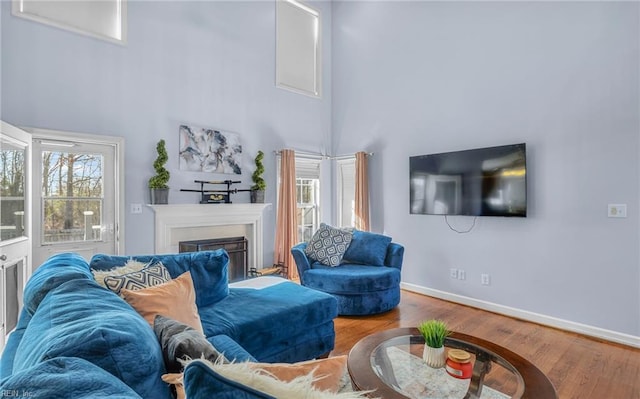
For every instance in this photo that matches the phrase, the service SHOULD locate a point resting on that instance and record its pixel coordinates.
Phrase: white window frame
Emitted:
(314, 206)
(307, 167)
(346, 191)
(298, 48)
(104, 19)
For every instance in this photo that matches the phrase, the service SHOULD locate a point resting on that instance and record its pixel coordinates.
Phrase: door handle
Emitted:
(3, 257)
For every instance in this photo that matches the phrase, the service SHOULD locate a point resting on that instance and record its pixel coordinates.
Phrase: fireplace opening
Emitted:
(236, 247)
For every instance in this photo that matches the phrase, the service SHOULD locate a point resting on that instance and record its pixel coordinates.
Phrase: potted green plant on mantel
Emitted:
(434, 333)
(158, 184)
(259, 185)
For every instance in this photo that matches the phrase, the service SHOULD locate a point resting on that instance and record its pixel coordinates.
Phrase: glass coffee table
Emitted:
(390, 364)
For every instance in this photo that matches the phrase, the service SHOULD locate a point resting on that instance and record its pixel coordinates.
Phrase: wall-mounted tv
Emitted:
(480, 182)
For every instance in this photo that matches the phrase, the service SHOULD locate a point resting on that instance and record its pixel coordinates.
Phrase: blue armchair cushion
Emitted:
(179, 342)
(209, 270)
(81, 319)
(63, 378)
(350, 279)
(328, 245)
(367, 248)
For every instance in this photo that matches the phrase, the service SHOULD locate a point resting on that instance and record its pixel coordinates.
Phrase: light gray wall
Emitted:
(413, 78)
(408, 79)
(202, 63)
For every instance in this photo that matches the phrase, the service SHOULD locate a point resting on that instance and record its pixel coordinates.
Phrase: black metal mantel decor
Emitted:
(216, 196)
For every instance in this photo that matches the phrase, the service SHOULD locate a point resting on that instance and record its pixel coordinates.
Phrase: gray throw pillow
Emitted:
(179, 342)
(328, 245)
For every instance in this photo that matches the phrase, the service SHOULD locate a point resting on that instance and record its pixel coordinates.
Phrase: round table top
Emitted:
(536, 385)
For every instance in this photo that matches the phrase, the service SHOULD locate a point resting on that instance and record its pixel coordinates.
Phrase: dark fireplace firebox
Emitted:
(236, 247)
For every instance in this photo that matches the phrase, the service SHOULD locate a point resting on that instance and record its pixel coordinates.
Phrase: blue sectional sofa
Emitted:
(77, 339)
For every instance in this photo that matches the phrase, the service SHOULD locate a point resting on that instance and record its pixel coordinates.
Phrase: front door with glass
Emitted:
(15, 227)
(76, 198)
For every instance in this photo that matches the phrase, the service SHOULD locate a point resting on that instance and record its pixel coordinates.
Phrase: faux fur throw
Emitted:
(261, 380)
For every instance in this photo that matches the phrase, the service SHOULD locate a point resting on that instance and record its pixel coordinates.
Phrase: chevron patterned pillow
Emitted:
(150, 276)
(129, 267)
(328, 245)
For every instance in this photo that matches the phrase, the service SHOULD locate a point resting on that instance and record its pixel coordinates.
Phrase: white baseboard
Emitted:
(555, 322)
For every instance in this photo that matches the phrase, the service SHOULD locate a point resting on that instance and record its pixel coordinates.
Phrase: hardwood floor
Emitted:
(579, 367)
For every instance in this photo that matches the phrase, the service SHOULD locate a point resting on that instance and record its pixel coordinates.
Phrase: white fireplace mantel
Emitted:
(195, 221)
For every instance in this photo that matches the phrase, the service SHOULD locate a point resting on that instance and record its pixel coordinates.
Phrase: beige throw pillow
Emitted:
(175, 299)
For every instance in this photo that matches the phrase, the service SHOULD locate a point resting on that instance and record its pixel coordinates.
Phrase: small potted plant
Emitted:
(259, 185)
(158, 184)
(434, 333)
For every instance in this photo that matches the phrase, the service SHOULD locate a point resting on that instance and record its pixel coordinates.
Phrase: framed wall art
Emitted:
(209, 150)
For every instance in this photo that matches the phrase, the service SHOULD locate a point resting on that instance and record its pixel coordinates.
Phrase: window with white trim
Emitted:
(308, 178)
(307, 197)
(298, 50)
(105, 19)
(346, 191)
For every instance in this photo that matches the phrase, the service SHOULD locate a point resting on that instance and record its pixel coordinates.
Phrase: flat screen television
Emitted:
(480, 182)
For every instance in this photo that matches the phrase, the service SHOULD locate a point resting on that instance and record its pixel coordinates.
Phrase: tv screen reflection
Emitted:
(480, 182)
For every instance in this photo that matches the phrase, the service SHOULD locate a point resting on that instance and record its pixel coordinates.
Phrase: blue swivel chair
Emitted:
(365, 284)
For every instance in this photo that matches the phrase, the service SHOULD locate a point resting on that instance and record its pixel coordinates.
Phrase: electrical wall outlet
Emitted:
(617, 210)
(485, 279)
(136, 208)
(453, 273)
(461, 274)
